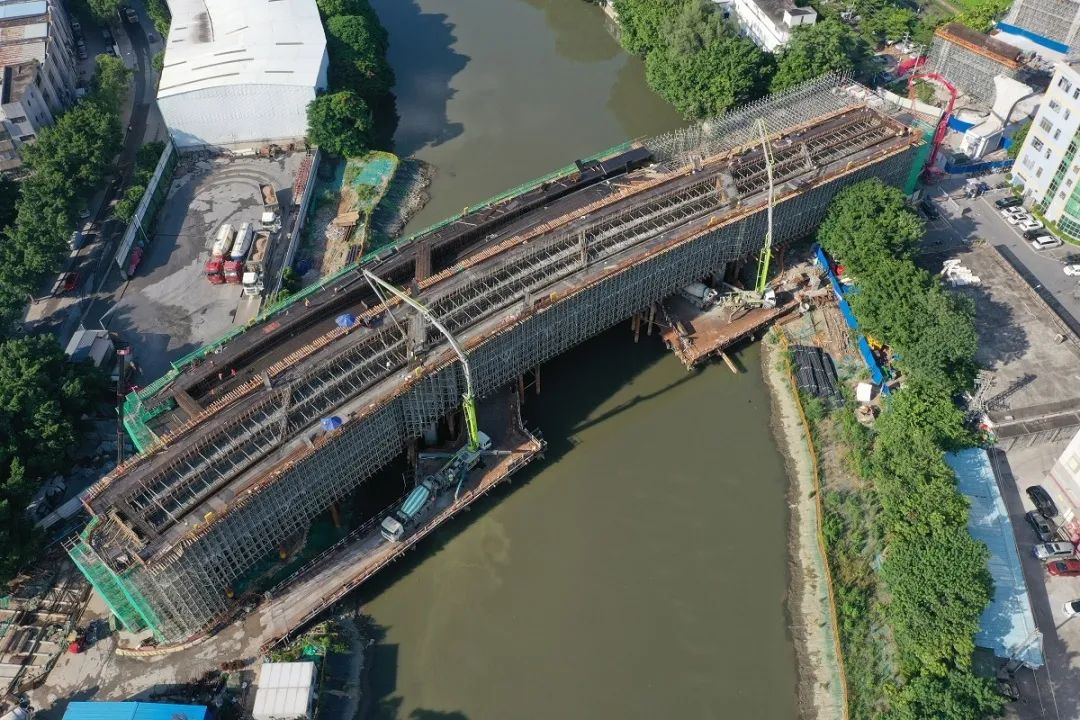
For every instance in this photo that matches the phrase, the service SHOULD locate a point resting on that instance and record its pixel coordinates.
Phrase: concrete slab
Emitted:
(169, 309)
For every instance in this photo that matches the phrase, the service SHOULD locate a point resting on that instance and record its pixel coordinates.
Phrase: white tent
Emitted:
(286, 691)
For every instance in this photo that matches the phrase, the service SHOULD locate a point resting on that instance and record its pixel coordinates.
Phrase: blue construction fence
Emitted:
(977, 168)
(841, 290)
(1034, 37)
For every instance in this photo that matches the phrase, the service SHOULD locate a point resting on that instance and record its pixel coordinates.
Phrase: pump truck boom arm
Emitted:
(766, 252)
(468, 400)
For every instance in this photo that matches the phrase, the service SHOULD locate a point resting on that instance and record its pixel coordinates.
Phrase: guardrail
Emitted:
(148, 206)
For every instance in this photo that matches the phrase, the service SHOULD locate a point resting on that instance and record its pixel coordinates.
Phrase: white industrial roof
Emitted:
(284, 690)
(11, 11)
(213, 43)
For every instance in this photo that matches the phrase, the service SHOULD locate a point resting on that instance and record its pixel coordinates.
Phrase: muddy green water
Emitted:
(639, 571)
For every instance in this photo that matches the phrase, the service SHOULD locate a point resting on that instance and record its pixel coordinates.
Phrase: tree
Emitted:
(980, 15)
(9, 195)
(728, 71)
(357, 45)
(817, 49)
(640, 23)
(111, 82)
(340, 123)
(329, 8)
(103, 10)
(866, 222)
(888, 23)
(1018, 139)
(42, 397)
(159, 14)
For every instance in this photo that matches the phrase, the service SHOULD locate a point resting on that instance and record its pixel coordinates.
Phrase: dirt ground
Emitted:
(819, 682)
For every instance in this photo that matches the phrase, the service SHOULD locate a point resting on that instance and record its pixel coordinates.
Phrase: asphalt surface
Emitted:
(94, 262)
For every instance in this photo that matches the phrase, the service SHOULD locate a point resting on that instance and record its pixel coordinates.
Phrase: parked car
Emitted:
(928, 209)
(1012, 210)
(128, 15)
(1042, 527)
(1064, 568)
(1017, 218)
(1007, 202)
(1045, 242)
(1072, 608)
(67, 282)
(1072, 270)
(1054, 550)
(1042, 501)
(1029, 224)
(76, 27)
(1035, 233)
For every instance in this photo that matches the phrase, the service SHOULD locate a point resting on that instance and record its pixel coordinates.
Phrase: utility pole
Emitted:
(766, 252)
(468, 403)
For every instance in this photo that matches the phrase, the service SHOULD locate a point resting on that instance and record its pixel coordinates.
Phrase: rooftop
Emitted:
(1007, 625)
(216, 43)
(24, 31)
(775, 9)
(133, 711)
(989, 47)
(14, 79)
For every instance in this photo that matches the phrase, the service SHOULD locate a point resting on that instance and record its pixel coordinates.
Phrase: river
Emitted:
(640, 570)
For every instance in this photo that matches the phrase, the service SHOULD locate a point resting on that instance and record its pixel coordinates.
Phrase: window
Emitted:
(1064, 84)
(1038, 173)
(1037, 143)
(1057, 134)
(1061, 194)
(1076, 93)
(1046, 125)
(17, 120)
(1068, 183)
(1055, 105)
(1047, 155)
(1028, 162)
(1066, 116)
(26, 138)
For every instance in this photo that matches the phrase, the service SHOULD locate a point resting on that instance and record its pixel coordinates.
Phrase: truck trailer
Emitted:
(270, 205)
(254, 267)
(215, 266)
(234, 266)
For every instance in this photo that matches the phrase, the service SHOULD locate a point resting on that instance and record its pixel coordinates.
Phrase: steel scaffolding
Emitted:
(1057, 20)
(223, 499)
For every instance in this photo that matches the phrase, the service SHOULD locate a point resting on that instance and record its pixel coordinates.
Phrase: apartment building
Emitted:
(38, 67)
(769, 22)
(1047, 165)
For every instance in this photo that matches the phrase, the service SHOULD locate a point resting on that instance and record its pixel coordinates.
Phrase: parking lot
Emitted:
(169, 308)
(1034, 360)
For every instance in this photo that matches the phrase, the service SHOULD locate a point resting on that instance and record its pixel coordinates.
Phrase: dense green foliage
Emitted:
(103, 10)
(981, 14)
(340, 123)
(42, 397)
(360, 78)
(1018, 139)
(9, 194)
(640, 22)
(159, 14)
(66, 164)
(934, 576)
(145, 162)
(815, 49)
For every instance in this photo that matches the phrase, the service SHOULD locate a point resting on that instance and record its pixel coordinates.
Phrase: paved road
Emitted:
(94, 262)
(964, 221)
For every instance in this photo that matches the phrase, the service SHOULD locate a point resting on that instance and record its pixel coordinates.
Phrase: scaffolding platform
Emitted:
(695, 334)
(347, 565)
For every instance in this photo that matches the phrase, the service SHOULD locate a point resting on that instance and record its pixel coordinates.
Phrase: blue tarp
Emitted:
(959, 125)
(1034, 37)
(331, 423)
(133, 711)
(841, 290)
(1007, 626)
(346, 320)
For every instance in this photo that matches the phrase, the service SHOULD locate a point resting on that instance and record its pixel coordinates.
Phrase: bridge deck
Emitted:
(267, 429)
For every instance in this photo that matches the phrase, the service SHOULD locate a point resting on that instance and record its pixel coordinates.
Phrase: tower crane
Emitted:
(468, 400)
(766, 252)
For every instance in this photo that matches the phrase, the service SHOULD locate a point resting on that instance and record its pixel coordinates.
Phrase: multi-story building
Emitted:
(38, 71)
(769, 23)
(1047, 165)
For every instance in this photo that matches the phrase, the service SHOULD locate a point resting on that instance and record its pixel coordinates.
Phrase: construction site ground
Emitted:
(711, 331)
(168, 308)
(102, 673)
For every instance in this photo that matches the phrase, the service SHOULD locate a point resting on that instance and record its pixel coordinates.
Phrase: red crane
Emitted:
(943, 125)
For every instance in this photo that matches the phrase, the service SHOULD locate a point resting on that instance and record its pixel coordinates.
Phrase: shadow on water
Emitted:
(580, 35)
(424, 69)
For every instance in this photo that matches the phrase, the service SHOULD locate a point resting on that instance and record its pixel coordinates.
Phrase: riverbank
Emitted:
(819, 682)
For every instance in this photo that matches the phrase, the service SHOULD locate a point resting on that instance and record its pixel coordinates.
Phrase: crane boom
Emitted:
(766, 252)
(468, 400)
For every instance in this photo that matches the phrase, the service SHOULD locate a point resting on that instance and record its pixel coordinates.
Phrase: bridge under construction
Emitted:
(238, 462)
